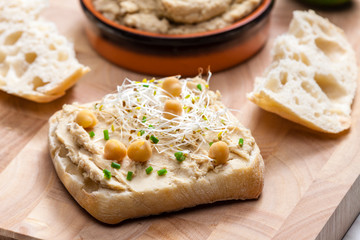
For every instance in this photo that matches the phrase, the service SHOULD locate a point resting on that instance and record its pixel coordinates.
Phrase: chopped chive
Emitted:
(141, 132)
(145, 85)
(149, 170)
(154, 139)
(211, 143)
(199, 87)
(143, 119)
(179, 156)
(154, 93)
(241, 142)
(101, 107)
(112, 128)
(162, 172)
(187, 96)
(92, 134)
(151, 126)
(107, 173)
(129, 175)
(115, 165)
(106, 134)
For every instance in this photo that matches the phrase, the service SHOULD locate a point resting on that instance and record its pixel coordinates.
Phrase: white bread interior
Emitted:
(36, 62)
(312, 79)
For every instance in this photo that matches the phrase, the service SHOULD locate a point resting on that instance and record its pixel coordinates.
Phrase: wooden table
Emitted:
(311, 181)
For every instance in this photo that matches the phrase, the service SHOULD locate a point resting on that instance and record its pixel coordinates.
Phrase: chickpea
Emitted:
(172, 109)
(114, 150)
(139, 151)
(220, 152)
(86, 119)
(172, 86)
(191, 85)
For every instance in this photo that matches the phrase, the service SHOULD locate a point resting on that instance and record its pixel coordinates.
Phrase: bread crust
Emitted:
(267, 103)
(56, 92)
(110, 206)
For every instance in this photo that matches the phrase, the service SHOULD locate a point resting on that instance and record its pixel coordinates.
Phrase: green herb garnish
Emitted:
(141, 132)
(129, 175)
(154, 139)
(241, 142)
(106, 134)
(145, 85)
(179, 156)
(199, 87)
(211, 143)
(92, 134)
(151, 126)
(115, 165)
(149, 170)
(162, 172)
(107, 174)
(143, 119)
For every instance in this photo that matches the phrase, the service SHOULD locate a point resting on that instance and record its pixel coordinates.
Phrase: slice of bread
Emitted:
(136, 112)
(36, 62)
(312, 79)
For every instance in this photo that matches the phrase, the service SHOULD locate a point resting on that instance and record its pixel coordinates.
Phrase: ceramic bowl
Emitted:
(165, 55)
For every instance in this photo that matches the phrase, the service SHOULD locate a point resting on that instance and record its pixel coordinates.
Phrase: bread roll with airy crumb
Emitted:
(312, 79)
(36, 62)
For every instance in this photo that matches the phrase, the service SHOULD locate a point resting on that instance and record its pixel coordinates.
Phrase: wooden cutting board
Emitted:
(311, 180)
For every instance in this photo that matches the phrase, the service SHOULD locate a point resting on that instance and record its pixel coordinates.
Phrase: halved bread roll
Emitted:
(36, 62)
(312, 79)
(168, 165)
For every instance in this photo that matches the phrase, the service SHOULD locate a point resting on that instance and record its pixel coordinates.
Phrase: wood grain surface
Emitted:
(311, 179)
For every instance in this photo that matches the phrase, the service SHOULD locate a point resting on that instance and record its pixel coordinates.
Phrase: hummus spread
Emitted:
(175, 16)
(136, 112)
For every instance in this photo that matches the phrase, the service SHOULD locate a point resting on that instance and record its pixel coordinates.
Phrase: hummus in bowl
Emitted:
(175, 16)
(169, 37)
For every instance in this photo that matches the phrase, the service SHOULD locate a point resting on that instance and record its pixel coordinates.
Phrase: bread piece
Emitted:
(36, 62)
(136, 112)
(312, 79)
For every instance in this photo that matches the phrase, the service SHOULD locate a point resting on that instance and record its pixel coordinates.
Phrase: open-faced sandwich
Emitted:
(154, 146)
